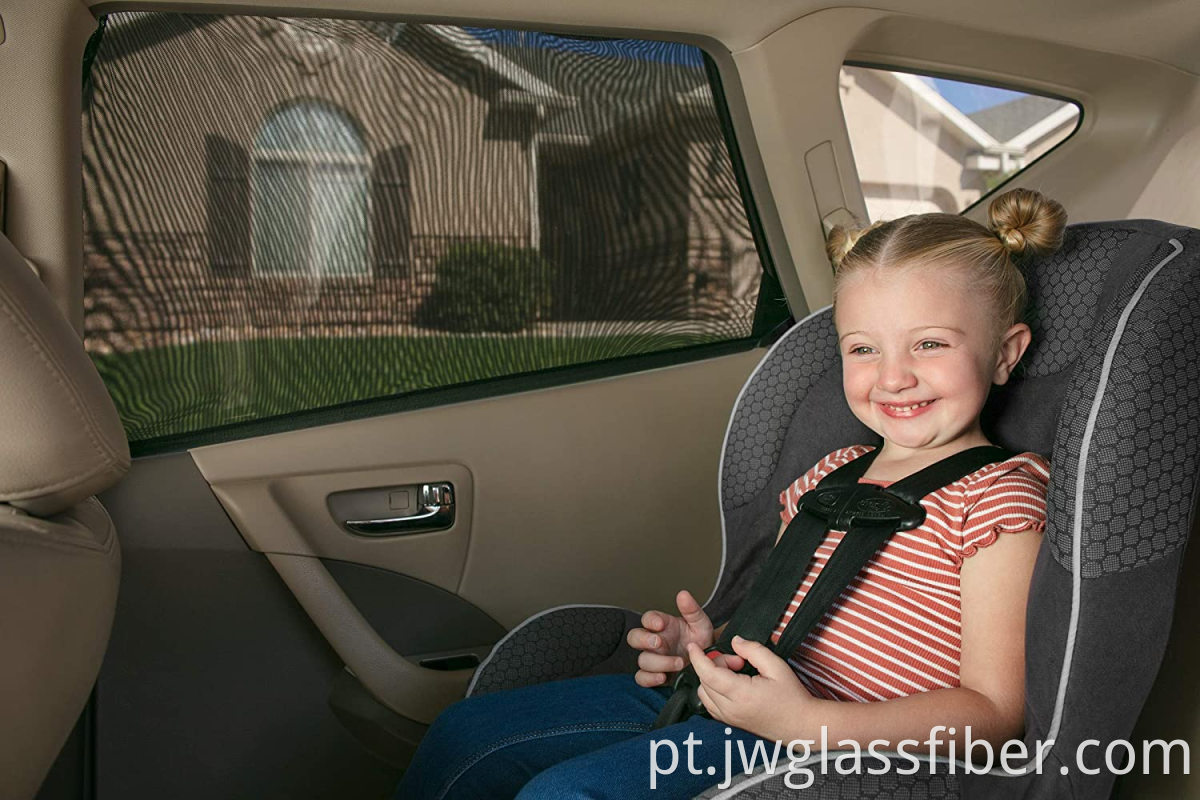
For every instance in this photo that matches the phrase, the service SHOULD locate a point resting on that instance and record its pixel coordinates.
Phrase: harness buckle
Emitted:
(845, 507)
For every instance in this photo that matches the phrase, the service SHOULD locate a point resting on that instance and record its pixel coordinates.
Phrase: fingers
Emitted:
(642, 639)
(649, 679)
(655, 662)
(730, 661)
(712, 691)
(718, 679)
(690, 610)
(762, 659)
(654, 621)
(655, 669)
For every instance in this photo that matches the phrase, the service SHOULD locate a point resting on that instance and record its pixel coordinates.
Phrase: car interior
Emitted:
(361, 357)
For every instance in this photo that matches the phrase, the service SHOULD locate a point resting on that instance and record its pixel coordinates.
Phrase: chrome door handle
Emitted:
(436, 513)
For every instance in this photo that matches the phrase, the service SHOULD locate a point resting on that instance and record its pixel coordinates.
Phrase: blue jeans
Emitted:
(580, 738)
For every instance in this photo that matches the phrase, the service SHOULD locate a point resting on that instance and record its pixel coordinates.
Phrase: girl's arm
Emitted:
(990, 698)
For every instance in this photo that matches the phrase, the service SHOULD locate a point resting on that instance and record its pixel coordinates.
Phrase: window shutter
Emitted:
(390, 200)
(228, 176)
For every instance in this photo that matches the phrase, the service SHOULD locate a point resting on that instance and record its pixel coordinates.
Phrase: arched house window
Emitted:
(308, 194)
(298, 203)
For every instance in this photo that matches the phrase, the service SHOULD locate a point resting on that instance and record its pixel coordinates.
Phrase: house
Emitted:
(281, 192)
(273, 181)
(915, 152)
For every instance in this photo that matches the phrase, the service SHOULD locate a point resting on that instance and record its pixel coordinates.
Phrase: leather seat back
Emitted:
(61, 442)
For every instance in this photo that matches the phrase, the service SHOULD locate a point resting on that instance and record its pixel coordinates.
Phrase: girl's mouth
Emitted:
(907, 410)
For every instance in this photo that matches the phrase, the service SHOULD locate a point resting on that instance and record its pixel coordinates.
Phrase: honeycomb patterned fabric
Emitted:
(922, 785)
(768, 402)
(560, 643)
(1142, 459)
(1064, 298)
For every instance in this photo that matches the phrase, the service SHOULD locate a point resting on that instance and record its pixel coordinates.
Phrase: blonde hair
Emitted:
(1020, 221)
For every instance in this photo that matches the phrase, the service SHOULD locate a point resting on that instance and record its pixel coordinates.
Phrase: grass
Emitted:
(166, 391)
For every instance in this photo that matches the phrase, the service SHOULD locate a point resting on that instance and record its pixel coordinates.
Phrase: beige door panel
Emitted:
(598, 492)
(289, 514)
(412, 691)
(603, 491)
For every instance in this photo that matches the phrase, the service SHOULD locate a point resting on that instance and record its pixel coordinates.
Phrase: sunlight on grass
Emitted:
(166, 391)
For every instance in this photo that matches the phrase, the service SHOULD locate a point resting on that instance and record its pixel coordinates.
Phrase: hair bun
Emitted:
(1027, 221)
(841, 241)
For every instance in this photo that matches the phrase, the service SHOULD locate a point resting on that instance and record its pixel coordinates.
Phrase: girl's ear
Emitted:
(1013, 343)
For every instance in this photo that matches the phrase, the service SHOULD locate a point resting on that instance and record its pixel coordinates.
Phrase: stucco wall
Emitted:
(905, 155)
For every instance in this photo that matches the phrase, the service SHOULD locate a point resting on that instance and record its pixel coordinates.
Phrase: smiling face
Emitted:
(919, 354)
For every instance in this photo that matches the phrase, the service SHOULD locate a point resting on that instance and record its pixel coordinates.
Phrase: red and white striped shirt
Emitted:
(896, 630)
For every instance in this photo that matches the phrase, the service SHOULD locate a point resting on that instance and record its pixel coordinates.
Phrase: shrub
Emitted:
(481, 286)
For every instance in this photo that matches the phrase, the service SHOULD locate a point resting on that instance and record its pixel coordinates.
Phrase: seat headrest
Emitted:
(60, 437)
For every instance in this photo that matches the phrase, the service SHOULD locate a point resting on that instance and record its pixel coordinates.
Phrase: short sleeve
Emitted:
(1008, 499)
(791, 495)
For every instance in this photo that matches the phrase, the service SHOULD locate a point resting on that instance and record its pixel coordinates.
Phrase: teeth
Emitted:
(910, 408)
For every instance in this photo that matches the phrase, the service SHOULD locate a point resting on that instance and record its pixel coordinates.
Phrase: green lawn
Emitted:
(172, 390)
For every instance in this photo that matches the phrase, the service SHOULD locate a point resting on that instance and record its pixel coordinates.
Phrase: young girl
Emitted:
(931, 633)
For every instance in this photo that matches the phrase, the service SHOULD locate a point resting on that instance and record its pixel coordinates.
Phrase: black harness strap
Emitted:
(869, 514)
(774, 587)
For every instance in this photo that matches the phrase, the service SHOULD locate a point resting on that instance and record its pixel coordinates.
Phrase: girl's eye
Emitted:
(930, 345)
(861, 350)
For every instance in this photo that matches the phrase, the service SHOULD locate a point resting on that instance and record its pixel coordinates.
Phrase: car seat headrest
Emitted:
(61, 440)
(1065, 294)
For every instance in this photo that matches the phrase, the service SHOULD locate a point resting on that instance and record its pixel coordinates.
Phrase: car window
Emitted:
(284, 215)
(925, 144)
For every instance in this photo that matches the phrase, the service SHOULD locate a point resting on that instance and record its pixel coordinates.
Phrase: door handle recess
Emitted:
(435, 512)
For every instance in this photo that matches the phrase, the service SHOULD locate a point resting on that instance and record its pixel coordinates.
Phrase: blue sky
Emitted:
(642, 50)
(969, 97)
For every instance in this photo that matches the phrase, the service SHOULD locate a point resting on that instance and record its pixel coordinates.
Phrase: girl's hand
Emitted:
(768, 704)
(664, 639)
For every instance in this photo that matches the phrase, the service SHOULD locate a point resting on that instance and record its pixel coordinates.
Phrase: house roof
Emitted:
(1006, 120)
(612, 88)
(497, 62)
(956, 121)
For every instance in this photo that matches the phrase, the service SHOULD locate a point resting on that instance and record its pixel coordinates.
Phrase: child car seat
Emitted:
(1108, 391)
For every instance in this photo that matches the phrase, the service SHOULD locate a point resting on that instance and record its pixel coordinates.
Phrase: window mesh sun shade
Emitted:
(290, 214)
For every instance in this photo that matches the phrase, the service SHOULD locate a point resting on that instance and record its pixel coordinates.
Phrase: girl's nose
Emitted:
(895, 375)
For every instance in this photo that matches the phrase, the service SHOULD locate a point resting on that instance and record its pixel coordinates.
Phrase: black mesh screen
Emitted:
(289, 214)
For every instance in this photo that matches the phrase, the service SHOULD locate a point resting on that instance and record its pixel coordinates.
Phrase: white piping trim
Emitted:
(725, 443)
(526, 621)
(1077, 522)
(1076, 544)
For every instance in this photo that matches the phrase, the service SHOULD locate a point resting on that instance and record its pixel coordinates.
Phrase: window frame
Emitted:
(771, 316)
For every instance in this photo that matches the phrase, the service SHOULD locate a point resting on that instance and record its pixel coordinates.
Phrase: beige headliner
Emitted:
(1167, 31)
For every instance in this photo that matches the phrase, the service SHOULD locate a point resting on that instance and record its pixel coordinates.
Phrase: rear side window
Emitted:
(284, 215)
(925, 144)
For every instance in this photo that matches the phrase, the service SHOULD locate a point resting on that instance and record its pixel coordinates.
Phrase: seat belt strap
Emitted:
(865, 536)
(775, 585)
(869, 514)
